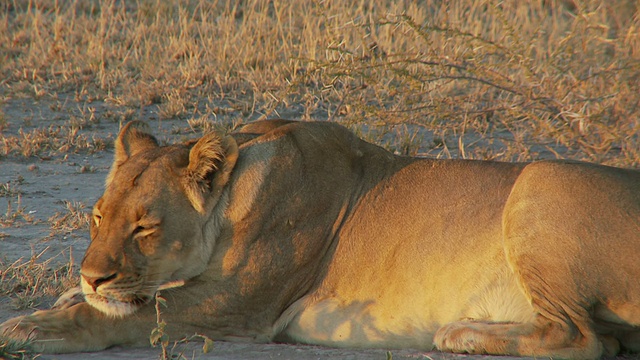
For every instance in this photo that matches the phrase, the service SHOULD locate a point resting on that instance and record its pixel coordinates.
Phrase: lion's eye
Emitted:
(145, 225)
(97, 219)
(138, 230)
(142, 231)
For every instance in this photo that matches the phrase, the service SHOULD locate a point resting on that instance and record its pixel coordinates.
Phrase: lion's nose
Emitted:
(97, 281)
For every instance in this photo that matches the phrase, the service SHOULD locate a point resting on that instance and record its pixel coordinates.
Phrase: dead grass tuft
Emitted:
(74, 218)
(13, 350)
(50, 141)
(30, 283)
(16, 214)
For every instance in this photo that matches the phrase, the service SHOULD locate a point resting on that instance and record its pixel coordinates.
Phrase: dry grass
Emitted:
(13, 350)
(75, 217)
(49, 141)
(15, 214)
(30, 283)
(507, 80)
(159, 337)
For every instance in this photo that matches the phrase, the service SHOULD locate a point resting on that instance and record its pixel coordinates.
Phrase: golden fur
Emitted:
(301, 232)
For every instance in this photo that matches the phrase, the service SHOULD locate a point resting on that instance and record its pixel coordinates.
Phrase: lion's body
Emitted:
(302, 232)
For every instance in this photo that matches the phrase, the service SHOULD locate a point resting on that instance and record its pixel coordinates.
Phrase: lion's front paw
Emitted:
(56, 331)
(69, 298)
(20, 331)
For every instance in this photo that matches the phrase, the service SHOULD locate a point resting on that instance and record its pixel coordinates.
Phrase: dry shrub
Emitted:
(519, 78)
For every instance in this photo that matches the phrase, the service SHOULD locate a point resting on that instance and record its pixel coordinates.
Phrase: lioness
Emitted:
(301, 232)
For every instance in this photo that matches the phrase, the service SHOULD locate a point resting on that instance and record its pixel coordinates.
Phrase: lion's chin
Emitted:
(112, 307)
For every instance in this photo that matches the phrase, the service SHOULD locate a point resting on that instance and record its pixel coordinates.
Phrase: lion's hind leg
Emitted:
(570, 237)
(541, 337)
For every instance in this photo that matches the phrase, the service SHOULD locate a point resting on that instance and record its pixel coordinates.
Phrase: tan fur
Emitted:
(301, 232)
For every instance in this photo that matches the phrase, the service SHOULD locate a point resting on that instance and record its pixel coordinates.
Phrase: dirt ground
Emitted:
(49, 177)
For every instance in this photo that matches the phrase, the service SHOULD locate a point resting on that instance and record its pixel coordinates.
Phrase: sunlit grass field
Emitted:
(492, 80)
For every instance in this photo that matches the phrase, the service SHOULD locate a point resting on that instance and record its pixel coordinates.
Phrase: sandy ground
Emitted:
(233, 351)
(47, 180)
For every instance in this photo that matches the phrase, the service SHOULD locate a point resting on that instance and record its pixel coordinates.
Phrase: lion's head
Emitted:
(149, 226)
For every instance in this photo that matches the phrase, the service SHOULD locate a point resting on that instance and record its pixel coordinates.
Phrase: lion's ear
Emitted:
(132, 139)
(211, 161)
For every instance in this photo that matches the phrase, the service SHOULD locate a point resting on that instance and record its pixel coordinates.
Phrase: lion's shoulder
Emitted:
(313, 139)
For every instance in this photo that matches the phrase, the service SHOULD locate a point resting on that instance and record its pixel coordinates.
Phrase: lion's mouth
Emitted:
(123, 306)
